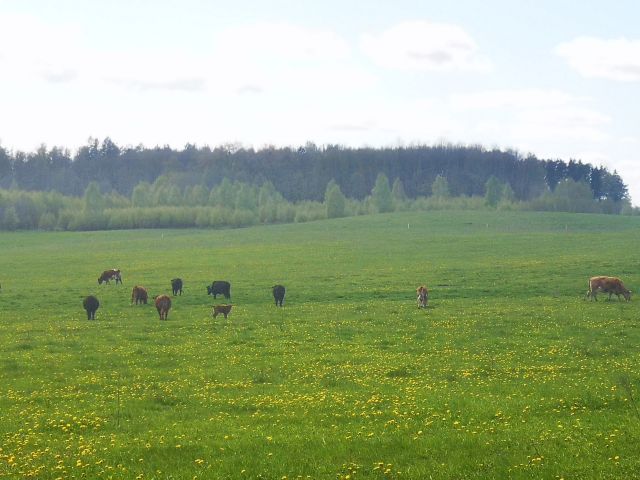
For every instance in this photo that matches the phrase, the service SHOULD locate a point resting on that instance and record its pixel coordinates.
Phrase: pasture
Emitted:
(508, 373)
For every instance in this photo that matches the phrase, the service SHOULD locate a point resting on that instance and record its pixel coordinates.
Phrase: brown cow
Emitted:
(423, 296)
(163, 305)
(107, 275)
(139, 295)
(608, 285)
(221, 309)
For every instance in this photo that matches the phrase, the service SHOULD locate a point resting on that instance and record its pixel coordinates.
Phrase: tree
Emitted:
(196, 195)
(397, 191)
(381, 194)
(93, 200)
(334, 200)
(141, 195)
(440, 187)
(10, 220)
(507, 193)
(572, 196)
(493, 191)
(596, 183)
(224, 194)
(615, 188)
(246, 198)
(555, 171)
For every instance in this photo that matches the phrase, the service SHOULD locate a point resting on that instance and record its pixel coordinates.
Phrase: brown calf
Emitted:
(163, 305)
(223, 309)
(608, 285)
(139, 295)
(423, 296)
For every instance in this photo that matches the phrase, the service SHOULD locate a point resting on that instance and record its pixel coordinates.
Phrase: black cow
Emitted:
(278, 294)
(176, 286)
(219, 287)
(91, 304)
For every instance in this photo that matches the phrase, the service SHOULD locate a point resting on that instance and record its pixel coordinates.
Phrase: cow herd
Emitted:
(140, 295)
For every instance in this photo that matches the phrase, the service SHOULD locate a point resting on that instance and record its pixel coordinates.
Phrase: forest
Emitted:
(105, 186)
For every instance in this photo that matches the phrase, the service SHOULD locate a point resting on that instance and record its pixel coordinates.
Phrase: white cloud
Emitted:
(266, 42)
(526, 117)
(427, 46)
(568, 123)
(616, 59)
(513, 98)
(31, 48)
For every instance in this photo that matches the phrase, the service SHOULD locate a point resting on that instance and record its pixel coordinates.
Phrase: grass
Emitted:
(508, 374)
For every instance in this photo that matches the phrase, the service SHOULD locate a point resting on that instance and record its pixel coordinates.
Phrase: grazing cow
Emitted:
(91, 304)
(176, 286)
(223, 309)
(107, 275)
(278, 294)
(608, 285)
(219, 287)
(163, 305)
(423, 296)
(139, 295)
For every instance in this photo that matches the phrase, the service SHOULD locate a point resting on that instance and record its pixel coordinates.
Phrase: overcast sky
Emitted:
(559, 79)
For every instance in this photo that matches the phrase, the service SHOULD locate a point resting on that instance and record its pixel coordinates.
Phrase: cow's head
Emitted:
(100, 281)
(627, 295)
(209, 290)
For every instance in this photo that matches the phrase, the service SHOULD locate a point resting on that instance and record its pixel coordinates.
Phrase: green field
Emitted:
(508, 374)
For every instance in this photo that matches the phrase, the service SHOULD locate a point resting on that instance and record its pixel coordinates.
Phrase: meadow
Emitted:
(509, 373)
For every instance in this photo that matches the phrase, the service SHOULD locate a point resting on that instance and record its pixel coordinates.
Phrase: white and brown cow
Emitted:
(107, 275)
(423, 296)
(608, 285)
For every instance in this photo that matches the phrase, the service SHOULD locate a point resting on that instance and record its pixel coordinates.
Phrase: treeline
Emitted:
(164, 204)
(300, 174)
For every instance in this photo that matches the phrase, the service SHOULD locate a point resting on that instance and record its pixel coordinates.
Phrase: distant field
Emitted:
(508, 374)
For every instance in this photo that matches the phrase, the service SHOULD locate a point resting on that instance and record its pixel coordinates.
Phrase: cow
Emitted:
(221, 309)
(163, 305)
(91, 304)
(423, 296)
(608, 285)
(176, 286)
(219, 287)
(278, 294)
(107, 275)
(139, 295)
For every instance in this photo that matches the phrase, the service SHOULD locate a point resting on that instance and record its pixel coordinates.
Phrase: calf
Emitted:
(278, 294)
(423, 296)
(608, 285)
(107, 275)
(176, 286)
(221, 309)
(91, 304)
(219, 287)
(139, 295)
(163, 305)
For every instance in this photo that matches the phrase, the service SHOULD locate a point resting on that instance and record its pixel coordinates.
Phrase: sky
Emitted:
(558, 79)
